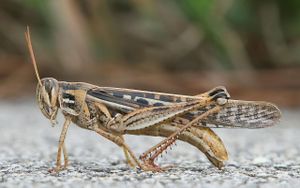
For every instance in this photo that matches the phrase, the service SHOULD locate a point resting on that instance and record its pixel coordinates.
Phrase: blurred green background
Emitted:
(181, 46)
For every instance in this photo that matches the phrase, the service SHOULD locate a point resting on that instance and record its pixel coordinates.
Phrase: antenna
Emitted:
(28, 40)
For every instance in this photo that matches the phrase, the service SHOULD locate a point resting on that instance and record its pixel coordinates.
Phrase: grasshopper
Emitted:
(114, 112)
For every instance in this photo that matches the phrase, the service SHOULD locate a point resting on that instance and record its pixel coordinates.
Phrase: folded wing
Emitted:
(234, 114)
(241, 114)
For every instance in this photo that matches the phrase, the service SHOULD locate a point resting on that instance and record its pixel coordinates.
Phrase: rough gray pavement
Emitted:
(258, 158)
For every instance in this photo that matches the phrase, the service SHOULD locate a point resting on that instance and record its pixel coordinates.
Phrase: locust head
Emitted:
(46, 96)
(47, 88)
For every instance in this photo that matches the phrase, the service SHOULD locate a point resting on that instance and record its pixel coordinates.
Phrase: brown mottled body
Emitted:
(114, 112)
(202, 138)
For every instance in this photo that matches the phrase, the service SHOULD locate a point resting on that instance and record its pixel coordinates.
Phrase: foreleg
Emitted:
(62, 148)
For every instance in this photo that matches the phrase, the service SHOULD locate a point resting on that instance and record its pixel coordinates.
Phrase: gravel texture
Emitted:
(258, 158)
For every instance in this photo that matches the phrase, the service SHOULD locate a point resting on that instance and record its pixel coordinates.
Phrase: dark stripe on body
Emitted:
(68, 96)
(158, 104)
(142, 101)
(166, 98)
(71, 97)
(212, 93)
(108, 97)
(120, 94)
(149, 95)
(145, 95)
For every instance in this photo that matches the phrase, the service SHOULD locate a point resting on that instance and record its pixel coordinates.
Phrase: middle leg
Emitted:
(62, 148)
(120, 142)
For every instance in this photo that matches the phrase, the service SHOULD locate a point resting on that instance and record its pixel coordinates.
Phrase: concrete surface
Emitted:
(258, 158)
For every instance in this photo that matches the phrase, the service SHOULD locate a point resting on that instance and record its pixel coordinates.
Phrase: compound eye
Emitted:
(46, 99)
(45, 96)
(51, 88)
